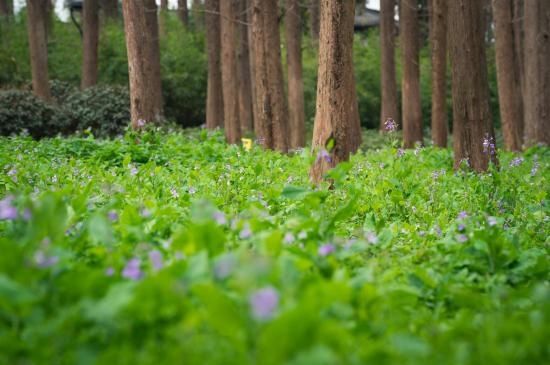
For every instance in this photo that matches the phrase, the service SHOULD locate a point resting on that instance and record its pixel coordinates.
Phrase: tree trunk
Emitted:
(90, 20)
(472, 125)
(230, 86)
(141, 30)
(198, 12)
(509, 87)
(6, 7)
(162, 17)
(296, 111)
(270, 97)
(183, 12)
(243, 71)
(110, 8)
(336, 117)
(537, 72)
(214, 98)
(412, 111)
(252, 54)
(438, 30)
(314, 25)
(36, 26)
(387, 46)
(519, 38)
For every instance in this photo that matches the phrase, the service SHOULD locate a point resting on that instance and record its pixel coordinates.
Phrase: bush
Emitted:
(60, 90)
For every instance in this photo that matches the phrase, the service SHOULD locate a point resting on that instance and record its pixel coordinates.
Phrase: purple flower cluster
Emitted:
(7, 210)
(489, 145)
(156, 260)
(224, 267)
(390, 125)
(516, 162)
(535, 166)
(264, 303)
(400, 152)
(326, 249)
(219, 217)
(132, 270)
(324, 155)
(437, 173)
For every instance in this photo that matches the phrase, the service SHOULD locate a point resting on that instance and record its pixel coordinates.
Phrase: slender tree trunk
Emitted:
(36, 26)
(509, 88)
(214, 98)
(110, 8)
(438, 30)
(162, 17)
(336, 114)
(141, 29)
(6, 8)
(198, 12)
(230, 86)
(252, 54)
(537, 72)
(243, 71)
(412, 111)
(472, 125)
(183, 12)
(293, 23)
(519, 38)
(314, 7)
(90, 20)
(387, 45)
(270, 97)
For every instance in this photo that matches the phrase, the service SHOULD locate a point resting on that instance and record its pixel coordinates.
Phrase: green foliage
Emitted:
(402, 261)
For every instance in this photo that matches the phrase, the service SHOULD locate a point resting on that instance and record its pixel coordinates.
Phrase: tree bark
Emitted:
(438, 30)
(537, 72)
(293, 23)
(270, 97)
(314, 7)
(90, 20)
(110, 8)
(336, 116)
(214, 98)
(183, 12)
(509, 87)
(230, 87)
(141, 30)
(36, 26)
(6, 8)
(198, 12)
(412, 111)
(472, 125)
(162, 17)
(243, 71)
(390, 107)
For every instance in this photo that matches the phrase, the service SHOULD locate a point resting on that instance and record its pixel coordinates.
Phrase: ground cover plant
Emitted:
(178, 248)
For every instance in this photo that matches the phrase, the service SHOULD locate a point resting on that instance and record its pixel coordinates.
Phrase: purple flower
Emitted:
(44, 261)
(134, 171)
(400, 152)
(535, 166)
(156, 259)
(192, 190)
(390, 125)
(264, 303)
(437, 230)
(489, 145)
(27, 215)
(109, 271)
(219, 217)
(462, 215)
(7, 210)
(245, 232)
(145, 213)
(461, 227)
(461, 238)
(326, 249)
(224, 267)
(288, 238)
(174, 193)
(323, 154)
(13, 174)
(112, 215)
(371, 237)
(516, 161)
(141, 123)
(492, 221)
(132, 269)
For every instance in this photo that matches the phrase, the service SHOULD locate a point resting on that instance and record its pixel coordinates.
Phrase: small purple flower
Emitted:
(27, 215)
(219, 217)
(462, 215)
(134, 171)
(535, 166)
(7, 210)
(13, 174)
(112, 215)
(289, 238)
(224, 267)
(516, 162)
(390, 125)
(44, 261)
(141, 123)
(371, 237)
(145, 213)
(461, 238)
(437, 230)
(302, 235)
(492, 221)
(109, 271)
(132, 269)
(326, 249)
(192, 190)
(156, 259)
(489, 145)
(174, 193)
(400, 152)
(264, 303)
(324, 155)
(245, 232)
(461, 227)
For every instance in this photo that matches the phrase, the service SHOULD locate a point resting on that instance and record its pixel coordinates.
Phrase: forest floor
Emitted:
(182, 248)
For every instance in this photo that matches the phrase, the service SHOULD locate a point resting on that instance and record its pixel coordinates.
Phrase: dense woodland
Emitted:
(275, 182)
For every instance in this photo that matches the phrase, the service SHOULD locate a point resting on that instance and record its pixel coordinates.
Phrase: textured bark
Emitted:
(314, 8)
(272, 118)
(252, 54)
(197, 7)
(141, 30)
(537, 72)
(438, 37)
(230, 87)
(336, 117)
(390, 107)
(162, 17)
(412, 112)
(293, 27)
(183, 12)
(110, 8)
(519, 38)
(243, 71)
(6, 7)
(36, 26)
(471, 114)
(214, 98)
(90, 41)
(509, 87)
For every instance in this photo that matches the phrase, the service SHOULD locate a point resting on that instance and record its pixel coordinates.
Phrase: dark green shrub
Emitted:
(60, 90)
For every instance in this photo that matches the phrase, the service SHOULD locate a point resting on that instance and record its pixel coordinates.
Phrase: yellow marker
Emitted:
(247, 143)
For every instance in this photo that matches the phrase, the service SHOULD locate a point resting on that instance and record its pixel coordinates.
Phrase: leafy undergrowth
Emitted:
(176, 248)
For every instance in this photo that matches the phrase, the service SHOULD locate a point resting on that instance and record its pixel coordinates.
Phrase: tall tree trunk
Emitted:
(412, 111)
(90, 20)
(293, 23)
(243, 70)
(36, 26)
(519, 38)
(336, 116)
(141, 30)
(252, 54)
(6, 7)
(509, 87)
(314, 7)
(390, 107)
(162, 17)
(214, 98)
(270, 97)
(438, 30)
(183, 12)
(110, 8)
(230, 87)
(472, 125)
(198, 12)
(537, 72)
